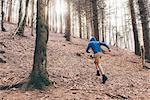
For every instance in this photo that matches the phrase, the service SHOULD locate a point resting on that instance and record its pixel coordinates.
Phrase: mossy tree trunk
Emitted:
(39, 76)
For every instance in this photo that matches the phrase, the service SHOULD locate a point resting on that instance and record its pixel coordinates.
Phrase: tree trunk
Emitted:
(95, 19)
(9, 10)
(51, 20)
(48, 13)
(2, 13)
(79, 18)
(142, 56)
(103, 28)
(116, 19)
(87, 22)
(68, 23)
(39, 76)
(145, 26)
(61, 17)
(32, 17)
(20, 29)
(135, 30)
(55, 20)
(20, 12)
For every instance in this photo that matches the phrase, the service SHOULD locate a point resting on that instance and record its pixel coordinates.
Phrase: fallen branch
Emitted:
(116, 96)
(123, 97)
(8, 87)
(112, 96)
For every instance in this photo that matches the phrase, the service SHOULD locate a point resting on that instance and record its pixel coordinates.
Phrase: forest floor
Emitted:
(72, 71)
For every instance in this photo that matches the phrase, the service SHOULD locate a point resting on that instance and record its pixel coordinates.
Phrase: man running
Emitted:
(97, 50)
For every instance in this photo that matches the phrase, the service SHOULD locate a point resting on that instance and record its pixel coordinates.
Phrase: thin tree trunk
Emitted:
(95, 19)
(55, 20)
(87, 27)
(103, 28)
(142, 56)
(9, 10)
(32, 18)
(2, 13)
(20, 12)
(51, 20)
(116, 25)
(73, 23)
(135, 30)
(20, 29)
(87, 22)
(145, 26)
(61, 16)
(39, 76)
(79, 18)
(48, 12)
(68, 23)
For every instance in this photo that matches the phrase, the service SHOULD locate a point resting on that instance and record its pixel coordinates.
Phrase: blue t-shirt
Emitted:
(95, 45)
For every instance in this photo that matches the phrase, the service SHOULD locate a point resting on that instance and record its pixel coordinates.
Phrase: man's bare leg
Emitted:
(104, 77)
(97, 68)
(101, 69)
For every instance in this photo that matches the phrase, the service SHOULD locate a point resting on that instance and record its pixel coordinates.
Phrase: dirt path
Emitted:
(74, 75)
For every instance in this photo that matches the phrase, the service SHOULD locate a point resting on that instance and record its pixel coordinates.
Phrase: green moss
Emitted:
(38, 81)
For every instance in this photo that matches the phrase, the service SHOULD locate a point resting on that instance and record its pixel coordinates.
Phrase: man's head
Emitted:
(93, 38)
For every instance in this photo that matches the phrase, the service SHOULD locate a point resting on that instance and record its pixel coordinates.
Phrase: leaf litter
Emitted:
(72, 70)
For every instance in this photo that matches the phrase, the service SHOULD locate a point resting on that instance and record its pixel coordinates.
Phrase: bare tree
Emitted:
(32, 18)
(87, 20)
(9, 10)
(135, 30)
(55, 20)
(145, 26)
(79, 17)
(2, 13)
(61, 14)
(95, 19)
(68, 23)
(102, 20)
(20, 12)
(39, 76)
(20, 30)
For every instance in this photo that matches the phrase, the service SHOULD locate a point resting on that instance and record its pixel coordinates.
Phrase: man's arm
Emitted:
(103, 44)
(87, 50)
